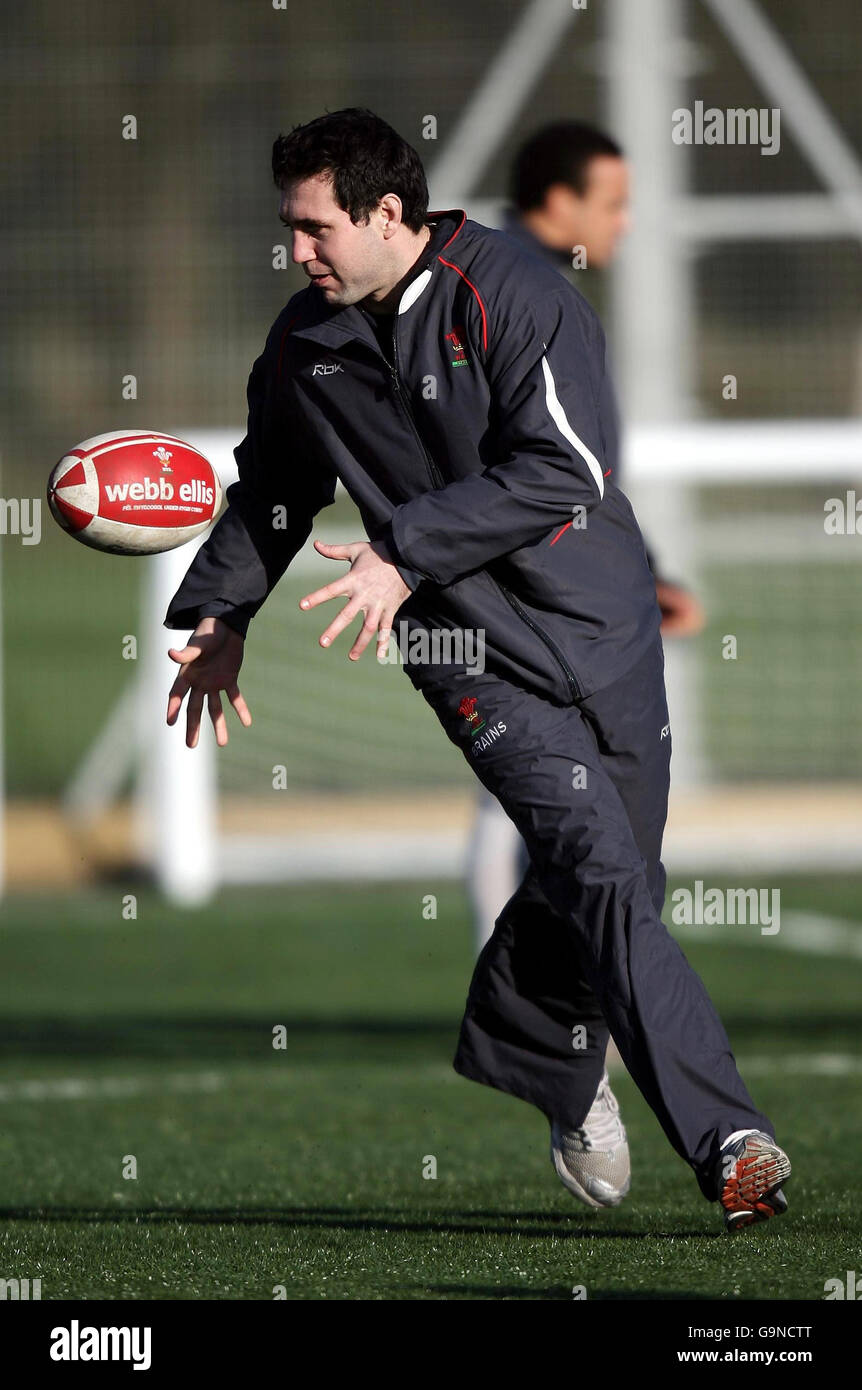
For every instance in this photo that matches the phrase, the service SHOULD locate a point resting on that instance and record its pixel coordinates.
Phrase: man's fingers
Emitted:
(239, 704)
(384, 633)
(180, 685)
(336, 589)
(193, 718)
(177, 692)
(339, 588)
(176, 695)
(182, 655)
(195, 708)
(364, 589)
(217, 716)
(339, 623)
(366, 632)
(336, 552)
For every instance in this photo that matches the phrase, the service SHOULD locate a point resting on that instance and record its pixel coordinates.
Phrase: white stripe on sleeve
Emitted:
(558, 415)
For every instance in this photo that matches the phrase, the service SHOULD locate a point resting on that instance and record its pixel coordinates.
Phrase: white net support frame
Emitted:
(669, 455)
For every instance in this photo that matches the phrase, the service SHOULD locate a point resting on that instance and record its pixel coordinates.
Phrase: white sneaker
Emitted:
(749, 1170)
(593, 1161)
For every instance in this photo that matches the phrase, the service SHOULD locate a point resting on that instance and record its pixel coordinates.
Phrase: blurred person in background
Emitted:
(570, 189)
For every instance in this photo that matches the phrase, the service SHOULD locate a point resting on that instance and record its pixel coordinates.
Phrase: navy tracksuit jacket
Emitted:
(481, 456)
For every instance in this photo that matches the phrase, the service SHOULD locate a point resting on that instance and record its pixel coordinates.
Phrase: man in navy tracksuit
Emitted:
(459, 390)
(569, 186)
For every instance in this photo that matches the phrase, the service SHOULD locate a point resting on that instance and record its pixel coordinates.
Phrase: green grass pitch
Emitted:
(302, 1168)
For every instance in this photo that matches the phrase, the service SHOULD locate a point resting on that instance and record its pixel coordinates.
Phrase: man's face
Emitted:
(347, 262)
(597, 218)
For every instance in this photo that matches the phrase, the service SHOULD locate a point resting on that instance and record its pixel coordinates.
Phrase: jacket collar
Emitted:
(520, 232)
(347, 321)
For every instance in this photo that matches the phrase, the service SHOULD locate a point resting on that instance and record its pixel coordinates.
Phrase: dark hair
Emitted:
(558, 153)
(365, 157)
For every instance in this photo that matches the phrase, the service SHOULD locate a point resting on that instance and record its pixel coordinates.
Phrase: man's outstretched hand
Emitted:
(209, 663)
(372, 586)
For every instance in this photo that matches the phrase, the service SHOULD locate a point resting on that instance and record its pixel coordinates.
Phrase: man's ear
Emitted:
(561, 194)
(390, 207)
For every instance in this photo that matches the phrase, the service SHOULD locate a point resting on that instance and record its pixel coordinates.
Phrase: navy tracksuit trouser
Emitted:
(580, 950)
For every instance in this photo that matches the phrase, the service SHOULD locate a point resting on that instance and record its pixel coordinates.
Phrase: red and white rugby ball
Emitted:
(134, 492)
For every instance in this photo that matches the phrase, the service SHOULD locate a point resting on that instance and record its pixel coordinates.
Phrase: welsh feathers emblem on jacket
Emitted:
(456, 346)
(468, 709)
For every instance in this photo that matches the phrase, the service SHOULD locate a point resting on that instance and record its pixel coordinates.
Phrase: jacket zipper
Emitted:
(548, 641)
(437, 480)
(433, 470)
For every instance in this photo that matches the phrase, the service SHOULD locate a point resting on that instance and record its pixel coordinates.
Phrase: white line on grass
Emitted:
(824, 1064)
(108, 1087)
(808, 932)
(815, 1064)
(124, 1087)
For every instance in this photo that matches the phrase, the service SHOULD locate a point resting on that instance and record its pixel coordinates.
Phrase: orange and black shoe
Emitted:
(750, 1169)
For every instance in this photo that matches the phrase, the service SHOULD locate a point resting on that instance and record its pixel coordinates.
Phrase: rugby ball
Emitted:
(134, 492)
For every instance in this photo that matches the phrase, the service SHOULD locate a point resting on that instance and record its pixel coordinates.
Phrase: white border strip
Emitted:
(558, 415)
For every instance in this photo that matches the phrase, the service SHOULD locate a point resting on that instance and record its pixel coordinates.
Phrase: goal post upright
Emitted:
(652, 310)
(3, 733)
(177, 794)
(176, 803)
